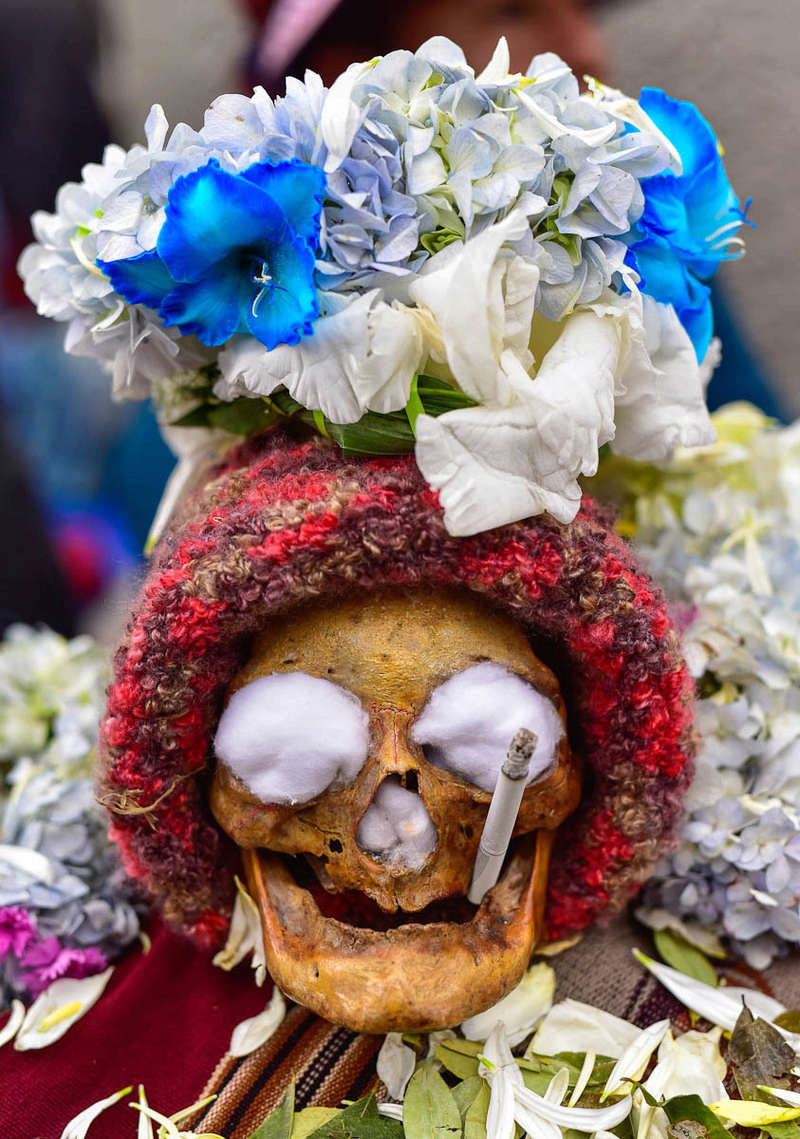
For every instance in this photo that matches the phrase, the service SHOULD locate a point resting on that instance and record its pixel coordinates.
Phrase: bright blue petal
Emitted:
(663, 274)
(284, 313)
(684, 126)
(210, 213)
(142, 280)
(211, 307)
(698, 319)
(664, 209)
(297, 188)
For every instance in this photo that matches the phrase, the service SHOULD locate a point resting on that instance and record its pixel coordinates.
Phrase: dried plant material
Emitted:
(758, 1055)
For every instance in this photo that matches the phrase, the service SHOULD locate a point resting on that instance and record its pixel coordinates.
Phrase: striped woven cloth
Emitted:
(330, 1064)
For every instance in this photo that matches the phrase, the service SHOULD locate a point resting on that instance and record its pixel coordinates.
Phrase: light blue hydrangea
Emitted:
(721, 530)
(56, 861)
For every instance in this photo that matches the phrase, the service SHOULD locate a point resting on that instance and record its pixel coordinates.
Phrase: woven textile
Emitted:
(599, 970)
(282, 522)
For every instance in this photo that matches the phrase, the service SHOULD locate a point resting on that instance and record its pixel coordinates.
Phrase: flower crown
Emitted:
(496, 271)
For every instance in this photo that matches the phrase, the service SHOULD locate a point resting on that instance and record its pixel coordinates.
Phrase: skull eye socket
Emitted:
(469, 720)
(289, 736)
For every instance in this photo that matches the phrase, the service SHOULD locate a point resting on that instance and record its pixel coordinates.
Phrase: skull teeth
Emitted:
(414, 977)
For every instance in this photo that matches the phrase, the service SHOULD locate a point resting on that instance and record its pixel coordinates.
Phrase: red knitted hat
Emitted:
(282, 522)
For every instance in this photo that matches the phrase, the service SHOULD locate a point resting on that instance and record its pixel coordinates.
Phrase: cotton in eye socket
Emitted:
(289, 736)
(469, 721)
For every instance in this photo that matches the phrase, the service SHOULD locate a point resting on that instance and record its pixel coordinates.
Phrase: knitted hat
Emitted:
(281, 522)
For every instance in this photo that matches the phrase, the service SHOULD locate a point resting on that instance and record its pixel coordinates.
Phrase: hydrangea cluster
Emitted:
(539, 250)
(65, 906)
(721, 529)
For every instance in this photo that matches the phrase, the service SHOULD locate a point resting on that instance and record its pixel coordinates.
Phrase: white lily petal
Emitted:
(584, 1076)
(689, 1065)
(395, 1064)
(587, 1029)
(31, 862)
(721, 1006)
(636, 1057)
(520, 1011)
(760, 1004)
(464, 293)
(498, 1066)
(167, 1129)
(359, 357)
(252, 1033)
(558, 1087)
(144, 1129)
(534, 1125)
(56, 1009)
(497, 464)
(11, 1026)
(578, 1118)
(244, 936)
(391, 1111)
(79, 1126)
(660, 402)
(792, 1098)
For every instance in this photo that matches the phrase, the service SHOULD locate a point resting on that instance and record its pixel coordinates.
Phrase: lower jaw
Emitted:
(410, 979)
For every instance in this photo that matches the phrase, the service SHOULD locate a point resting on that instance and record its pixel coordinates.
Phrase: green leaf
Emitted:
(475, 1119)
(573, 1062)
(360, 1120)
(790, 1130)
(429, 1109)
(414, 407)
(278, 1124)
(790, 1020)
(465, 1092)
(758, 1054)
(456, 1060)
(691, 1108)
(686, 958)
(310, 1119)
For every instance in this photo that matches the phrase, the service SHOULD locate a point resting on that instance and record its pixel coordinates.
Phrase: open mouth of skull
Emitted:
(356, 761)
(358, 910)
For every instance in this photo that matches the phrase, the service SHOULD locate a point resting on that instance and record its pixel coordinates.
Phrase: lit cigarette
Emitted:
(502, 816)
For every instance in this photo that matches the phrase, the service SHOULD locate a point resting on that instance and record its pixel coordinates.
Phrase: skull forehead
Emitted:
(395, 646)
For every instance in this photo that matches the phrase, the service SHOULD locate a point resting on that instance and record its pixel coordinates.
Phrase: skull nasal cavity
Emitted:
(396, 827)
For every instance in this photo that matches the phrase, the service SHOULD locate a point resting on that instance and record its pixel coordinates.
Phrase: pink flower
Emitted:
(17, 931)
(48, 960)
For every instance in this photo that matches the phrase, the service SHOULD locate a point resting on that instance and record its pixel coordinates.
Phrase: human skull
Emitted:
(359, 818)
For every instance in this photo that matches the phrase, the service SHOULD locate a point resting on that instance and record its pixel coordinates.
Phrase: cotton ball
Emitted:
(469, 722)
(397, 827)
(289, 736)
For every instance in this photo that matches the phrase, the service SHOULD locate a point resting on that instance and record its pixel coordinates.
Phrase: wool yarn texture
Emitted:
(283, 521)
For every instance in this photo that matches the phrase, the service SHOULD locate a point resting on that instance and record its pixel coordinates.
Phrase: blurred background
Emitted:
(80, 476)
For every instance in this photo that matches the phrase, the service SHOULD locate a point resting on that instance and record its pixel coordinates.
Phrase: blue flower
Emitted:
(689, 219)
(236, 253)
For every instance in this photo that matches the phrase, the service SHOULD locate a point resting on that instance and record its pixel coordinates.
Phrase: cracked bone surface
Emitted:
(362, 887)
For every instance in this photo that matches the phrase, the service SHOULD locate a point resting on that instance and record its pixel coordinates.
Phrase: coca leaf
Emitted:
(758, 1055)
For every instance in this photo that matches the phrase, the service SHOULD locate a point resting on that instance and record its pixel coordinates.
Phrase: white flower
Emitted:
(722, 1005)
(688, 1065)
(395, 1064)
(542, 1117)
(245, 936)
(57, 1009)
(587, 1029)
(256, 1030)
(660, 403)
(362, 356)
(520, 1010)
(634, 1060)
(12, 1025)
(521, 454)
(78, 1127)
